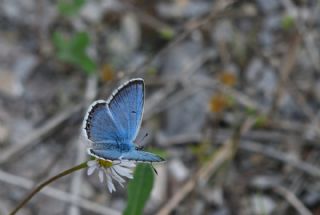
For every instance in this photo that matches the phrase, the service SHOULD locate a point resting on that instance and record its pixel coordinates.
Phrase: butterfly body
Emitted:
(113, 125)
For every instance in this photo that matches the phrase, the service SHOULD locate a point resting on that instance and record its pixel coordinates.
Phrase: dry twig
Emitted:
(225, 153)
(280, 156)
(39, 133)
(292, 200)
(287, 67)
(57, 194)
(91, 92)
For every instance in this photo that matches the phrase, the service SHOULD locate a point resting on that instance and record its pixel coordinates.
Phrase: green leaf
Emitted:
(86, 63)
(139, 189)
(79, 42)
(70, 8)
(73, 50)
(159, 152)
(167, 33)
(251, 111)
(287, 22)
(261, 121)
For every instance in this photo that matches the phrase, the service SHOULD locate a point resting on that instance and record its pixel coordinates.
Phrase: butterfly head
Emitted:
(139, 148)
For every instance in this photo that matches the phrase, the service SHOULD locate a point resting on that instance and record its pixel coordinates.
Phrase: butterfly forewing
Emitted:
(119, 118)
(126, 107)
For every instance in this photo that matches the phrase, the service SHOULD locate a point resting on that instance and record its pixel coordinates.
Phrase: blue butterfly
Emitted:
(113, 125)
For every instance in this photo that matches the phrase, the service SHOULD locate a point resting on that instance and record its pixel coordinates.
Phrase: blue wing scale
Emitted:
(99, 125)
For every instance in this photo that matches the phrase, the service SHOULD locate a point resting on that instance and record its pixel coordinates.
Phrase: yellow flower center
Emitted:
(104, 163)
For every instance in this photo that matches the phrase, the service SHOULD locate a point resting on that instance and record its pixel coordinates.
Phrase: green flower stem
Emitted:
(45, 183)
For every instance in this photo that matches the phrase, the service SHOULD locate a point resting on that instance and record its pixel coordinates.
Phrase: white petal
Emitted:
(123, 171)
(128, 164)
(110, 184)
(91, 170)
(101, 175)
(92, 163)
(116, 177)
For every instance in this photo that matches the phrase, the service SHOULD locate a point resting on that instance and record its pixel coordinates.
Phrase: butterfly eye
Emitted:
(139, 148)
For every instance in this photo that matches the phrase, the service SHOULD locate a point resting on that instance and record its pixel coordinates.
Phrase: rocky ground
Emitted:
(232, 98)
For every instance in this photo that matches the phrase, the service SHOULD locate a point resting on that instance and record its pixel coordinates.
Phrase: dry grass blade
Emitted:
(222, 155)
(275, 154)
(287, 67)
(57, 194)
(293, 200)
(225, 153)
(39, 133)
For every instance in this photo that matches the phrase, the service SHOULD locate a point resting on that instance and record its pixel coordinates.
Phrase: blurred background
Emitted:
(232, 100)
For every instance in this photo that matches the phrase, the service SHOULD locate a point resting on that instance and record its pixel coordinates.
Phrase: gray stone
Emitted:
(10, 84)
(268, 6)
(254, 70)
(16, 66)
(130, 29)
(123, 42)
(262, 204)
(178, 170)
(312, 198)
(272, 23)
(268, 82)
(178, 59)
(214, 196)
(222, 211)
(288, 105)
(262, 182)
(159, 192)
(24, 65)
(188, 115)
(189, 9)
(266, 38)
(4, 133)
(223, 31)
(26, 12)
(198, 207)
(92, 11)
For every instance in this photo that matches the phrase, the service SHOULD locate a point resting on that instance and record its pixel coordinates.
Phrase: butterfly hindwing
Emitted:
(133, 155)
(141, 156)
(105, 154)
(99, 126)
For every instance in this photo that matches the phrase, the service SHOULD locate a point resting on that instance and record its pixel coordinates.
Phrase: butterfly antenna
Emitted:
(141, 147)
(144, 137)
(154, 169)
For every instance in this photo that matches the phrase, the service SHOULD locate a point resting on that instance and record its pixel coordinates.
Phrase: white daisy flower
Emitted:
(109, 171)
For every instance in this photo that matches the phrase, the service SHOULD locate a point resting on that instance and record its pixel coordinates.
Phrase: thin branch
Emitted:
(36, 135)
(247, 145)
(280, 156)
(292, 200)
(55, 193)
(285, 70)
(225, 153)
(45, 183)
(220, 157)
(191, 26)
(76, 181)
